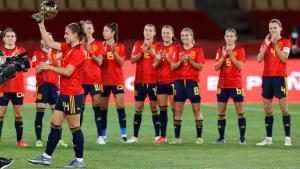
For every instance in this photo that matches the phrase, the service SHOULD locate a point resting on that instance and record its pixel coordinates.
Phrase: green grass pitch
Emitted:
(146, 155)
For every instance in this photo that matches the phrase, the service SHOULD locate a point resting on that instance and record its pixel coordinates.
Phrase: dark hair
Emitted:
(9, 29)
(151, 25)
(78, 28)
(114, 28)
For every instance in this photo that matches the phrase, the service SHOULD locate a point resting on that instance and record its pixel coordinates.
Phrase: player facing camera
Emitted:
(11, 65)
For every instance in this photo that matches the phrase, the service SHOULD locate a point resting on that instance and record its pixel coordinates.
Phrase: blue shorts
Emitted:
(142, 90)
(237, 94)
(46, 93)
(115, 89)
(70, 105)
(187, 89)
(92, 89)
(16, 98)
(165, 88)
(274, 86)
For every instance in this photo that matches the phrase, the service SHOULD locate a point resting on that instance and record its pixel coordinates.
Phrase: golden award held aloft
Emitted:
(48, 11)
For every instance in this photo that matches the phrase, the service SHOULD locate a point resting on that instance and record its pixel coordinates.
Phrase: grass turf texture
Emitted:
(145, 154)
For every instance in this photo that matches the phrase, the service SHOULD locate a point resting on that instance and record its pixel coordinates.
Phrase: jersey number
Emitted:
(228, 62)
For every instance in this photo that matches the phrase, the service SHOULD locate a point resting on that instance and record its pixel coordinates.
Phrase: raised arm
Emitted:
(45, 37)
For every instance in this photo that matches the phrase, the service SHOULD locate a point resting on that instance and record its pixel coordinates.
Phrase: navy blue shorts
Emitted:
(46, 93)
(70, 105)
(115, 89)
(187, 89)
(274, 86)
(16, 98)
(165, 88)
(237, 94)
(92, 89)
(142, 90)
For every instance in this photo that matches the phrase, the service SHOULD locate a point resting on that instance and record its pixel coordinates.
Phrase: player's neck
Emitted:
(90, 39)
(75, 43)
(110, 42)
(167, 43)
(188, 46)
(231, 46)
(148, 41)
(9, 46)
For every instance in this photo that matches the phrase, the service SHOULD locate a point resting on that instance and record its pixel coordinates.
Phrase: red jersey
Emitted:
(164, 72)
(186, 71)
(273, 66)
(91, 72)
(52, 58)
(112, 72)
(230, 76)
(145, 73)
(15, 84)
(75, 57)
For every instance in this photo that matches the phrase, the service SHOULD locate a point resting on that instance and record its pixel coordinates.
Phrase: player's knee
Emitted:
(163, 108)
(284, 111)
(268, 108)
(55, 126)
(139, 107)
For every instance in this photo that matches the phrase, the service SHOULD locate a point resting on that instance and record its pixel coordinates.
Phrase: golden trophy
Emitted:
(48, 11)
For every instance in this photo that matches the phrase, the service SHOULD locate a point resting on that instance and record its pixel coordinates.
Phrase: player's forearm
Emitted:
(119, 59)
(61, 70)
(44, 34)
(168, 60)
(176, 65)
(282, 56)
(198, 66)
(155, 63)
(261, 54)
(218, 65)
(37, 69)
(135, 58)
(238, 64)
(98, 60)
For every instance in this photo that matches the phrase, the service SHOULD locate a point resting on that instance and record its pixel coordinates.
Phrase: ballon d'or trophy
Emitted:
(48, 11)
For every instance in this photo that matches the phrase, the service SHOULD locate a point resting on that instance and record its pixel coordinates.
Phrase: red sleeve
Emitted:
(286, 46)
(136, 49)
(64, 47)
(200, 56)
(35, 58)
(77, 57)
(241, 55)
(122, 52)
(218, 55)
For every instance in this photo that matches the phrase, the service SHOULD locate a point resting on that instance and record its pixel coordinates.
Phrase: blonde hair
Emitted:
(190, 30)
(172, 30)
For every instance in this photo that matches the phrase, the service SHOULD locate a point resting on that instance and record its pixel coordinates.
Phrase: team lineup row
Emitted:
(165, 71)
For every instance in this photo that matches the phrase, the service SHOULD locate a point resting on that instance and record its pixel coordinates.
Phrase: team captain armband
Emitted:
(286, 49)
